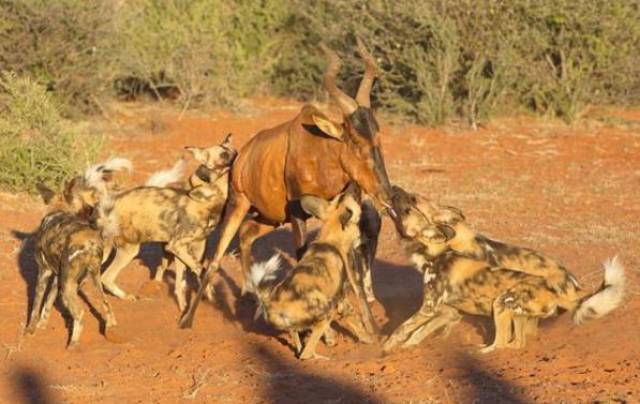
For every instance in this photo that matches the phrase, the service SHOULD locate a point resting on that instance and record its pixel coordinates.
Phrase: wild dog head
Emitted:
(216, 159)
(418, 219)
(340, 216)
(356, 127)
(75, 198)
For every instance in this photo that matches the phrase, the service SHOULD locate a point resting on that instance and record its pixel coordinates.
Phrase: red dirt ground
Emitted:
(572, 192)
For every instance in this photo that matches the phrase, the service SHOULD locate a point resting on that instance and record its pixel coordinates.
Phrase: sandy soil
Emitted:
(573, 192)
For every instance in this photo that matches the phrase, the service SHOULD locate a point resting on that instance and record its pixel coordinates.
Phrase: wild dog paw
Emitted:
(487, 348)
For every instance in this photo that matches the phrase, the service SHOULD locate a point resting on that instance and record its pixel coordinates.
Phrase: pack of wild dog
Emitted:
(326, 164)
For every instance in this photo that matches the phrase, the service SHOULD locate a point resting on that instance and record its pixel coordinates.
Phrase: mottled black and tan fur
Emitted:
(180, 218)
(67, 249)
(321, 287)
(469, 275)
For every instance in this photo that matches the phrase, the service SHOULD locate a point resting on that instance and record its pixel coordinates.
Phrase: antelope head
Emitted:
(362, 157)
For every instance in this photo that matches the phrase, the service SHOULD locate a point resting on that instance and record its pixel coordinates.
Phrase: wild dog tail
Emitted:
(608, 297)
(163, 178)
(95, 175)
(262, 278)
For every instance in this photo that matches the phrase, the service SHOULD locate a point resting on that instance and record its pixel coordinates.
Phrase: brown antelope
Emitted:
(312, 154)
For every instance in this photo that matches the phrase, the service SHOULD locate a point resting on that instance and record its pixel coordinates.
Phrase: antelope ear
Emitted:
(228, 138)
(327, 127)
(45, 192)
(202, 155)
(316, 207)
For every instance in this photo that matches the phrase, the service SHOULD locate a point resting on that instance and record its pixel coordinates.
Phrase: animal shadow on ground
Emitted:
(485, 386)
(290, 383)
(30, 387)
(27, 265)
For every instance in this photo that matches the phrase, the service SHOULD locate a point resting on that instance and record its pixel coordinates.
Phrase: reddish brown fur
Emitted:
(310, 155)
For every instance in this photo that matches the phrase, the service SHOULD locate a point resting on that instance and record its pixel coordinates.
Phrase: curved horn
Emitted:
(346, 103)
(370, 72)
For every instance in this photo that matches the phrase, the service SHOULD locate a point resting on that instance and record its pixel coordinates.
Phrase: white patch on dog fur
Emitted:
(608, 297)
(265, 271)
(428, 277)
(93, 175)
(166, 177)
(75, 254)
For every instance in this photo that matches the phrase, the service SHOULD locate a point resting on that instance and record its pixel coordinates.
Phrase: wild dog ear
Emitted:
(327, 127)
(448, 231)
(202, 155)
(448, 215)
(345, 217)
(316, 207)
(45, 193)
(69, 189)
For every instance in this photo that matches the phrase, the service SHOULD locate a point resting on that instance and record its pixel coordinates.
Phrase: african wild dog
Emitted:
(180, 218)
(68, 247)
(320, 288)
(459, 278)
(414, 223)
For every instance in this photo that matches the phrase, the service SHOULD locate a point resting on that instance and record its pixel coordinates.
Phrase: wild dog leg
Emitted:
(355, 284)
(446, 318)
(250, 231)
(352, 321)
(44, 274)
(193, 253)
(427, 311)
(370, 225)
(109, 317)
(71, 301)
(167, 260)
(48, 304)
(329, 337)
(238, 207)
(295, 337)
(519, 332)
(531, 328)
(503, 316)
(309, 351)
(123, 257)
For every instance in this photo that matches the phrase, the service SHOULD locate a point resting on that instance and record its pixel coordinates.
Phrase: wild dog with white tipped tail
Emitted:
(465, 272)
(321, 287)
(182, 219)
(68, 248)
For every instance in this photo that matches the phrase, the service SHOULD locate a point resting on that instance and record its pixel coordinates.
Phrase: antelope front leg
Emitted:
(237, 208)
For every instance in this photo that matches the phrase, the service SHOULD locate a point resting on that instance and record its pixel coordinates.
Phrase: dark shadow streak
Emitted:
(290, 383)
(486, 386)
(30, 386)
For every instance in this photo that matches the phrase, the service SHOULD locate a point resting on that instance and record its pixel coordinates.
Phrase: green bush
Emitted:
(36, 144)
(65, 45)
(441, 60)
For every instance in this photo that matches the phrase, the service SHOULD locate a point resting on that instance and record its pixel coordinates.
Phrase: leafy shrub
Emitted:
(63, 44)
(36, 144)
